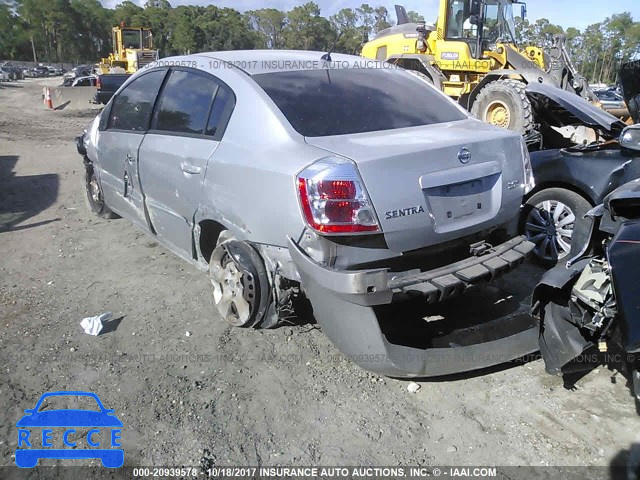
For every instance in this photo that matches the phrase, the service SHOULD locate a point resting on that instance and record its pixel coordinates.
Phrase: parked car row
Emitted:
(10, 73)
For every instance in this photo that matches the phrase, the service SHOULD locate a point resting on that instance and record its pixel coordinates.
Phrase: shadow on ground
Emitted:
(626, 464)
(23, 197)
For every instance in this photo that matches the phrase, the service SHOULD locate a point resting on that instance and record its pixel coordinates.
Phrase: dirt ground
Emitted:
(192, 391)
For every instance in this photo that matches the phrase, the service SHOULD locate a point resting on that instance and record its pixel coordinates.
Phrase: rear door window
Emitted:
(186, 103)
(220, 112)
(343, 101)
(132, 107)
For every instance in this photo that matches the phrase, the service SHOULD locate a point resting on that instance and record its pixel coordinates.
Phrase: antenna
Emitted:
(327, 56)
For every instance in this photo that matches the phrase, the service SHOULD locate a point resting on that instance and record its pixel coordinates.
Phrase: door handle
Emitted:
(189, 168)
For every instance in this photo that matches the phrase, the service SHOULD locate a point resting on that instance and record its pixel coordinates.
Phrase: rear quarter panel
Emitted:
(249, 185)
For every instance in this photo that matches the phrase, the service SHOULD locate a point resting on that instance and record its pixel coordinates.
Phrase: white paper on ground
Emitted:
(93, 325)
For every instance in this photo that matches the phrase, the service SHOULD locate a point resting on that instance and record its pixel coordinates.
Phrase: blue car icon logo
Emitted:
(40, 433)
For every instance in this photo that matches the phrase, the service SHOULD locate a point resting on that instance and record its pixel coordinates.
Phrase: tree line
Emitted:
(597, 51)
(79, 31)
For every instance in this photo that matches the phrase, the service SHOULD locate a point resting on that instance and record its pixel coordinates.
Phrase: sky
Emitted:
(567, 13)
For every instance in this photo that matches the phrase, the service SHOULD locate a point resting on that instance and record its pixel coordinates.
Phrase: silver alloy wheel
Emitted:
(550, 225)
(228, 288)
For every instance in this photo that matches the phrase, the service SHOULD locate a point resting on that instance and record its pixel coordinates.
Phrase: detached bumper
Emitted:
(343, 304)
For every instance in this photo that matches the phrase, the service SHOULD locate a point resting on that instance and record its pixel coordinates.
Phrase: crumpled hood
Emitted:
(630, 80)
(571, 109)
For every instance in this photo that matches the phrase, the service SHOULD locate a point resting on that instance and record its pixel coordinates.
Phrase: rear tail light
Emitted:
(334, 200)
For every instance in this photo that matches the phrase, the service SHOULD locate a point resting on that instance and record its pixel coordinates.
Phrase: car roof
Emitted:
(255, 62)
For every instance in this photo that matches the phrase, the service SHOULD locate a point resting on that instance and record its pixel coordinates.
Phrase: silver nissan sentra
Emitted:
(290, 174)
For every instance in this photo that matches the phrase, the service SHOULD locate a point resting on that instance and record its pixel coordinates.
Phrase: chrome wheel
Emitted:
(233, 290)
(550, 226)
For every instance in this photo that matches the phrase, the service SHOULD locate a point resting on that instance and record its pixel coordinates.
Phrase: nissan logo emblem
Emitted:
(464, 155)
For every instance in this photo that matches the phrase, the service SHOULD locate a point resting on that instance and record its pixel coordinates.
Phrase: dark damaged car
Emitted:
(588, 306)
(285, 173)
(572, 180)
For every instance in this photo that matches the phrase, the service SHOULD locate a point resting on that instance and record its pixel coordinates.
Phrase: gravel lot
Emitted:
(192, 391)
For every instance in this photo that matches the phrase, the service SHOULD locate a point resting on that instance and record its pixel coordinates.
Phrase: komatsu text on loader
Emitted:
(472, 55)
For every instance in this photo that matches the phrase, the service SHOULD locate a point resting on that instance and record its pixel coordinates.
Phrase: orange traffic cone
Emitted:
(47, 99)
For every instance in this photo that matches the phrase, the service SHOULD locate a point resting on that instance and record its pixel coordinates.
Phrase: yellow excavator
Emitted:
(471, 54)
(132, 50)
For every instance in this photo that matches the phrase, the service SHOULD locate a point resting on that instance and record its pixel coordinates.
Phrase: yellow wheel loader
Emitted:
(132, 50)
(471, 54)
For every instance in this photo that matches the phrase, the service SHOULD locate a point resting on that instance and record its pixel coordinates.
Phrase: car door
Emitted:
(129, 116)
(189, 120)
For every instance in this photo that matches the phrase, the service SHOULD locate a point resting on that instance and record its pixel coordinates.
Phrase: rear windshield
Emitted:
(319, 103)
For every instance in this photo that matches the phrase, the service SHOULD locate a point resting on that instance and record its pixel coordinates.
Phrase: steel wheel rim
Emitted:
(498, 113)
(228, 289)
(550, 226)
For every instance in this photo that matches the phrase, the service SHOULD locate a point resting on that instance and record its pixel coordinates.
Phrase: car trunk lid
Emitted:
(436, 183)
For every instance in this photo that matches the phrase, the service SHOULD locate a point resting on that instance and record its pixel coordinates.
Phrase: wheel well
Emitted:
(566, 186)
(209, 232)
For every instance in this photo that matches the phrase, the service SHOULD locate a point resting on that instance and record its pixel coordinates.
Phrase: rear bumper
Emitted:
(343, 303)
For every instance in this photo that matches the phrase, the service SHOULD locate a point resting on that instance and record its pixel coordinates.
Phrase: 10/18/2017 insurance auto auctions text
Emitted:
(315, 472)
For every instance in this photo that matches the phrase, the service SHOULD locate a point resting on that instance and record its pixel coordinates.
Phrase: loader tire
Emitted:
(504, 103)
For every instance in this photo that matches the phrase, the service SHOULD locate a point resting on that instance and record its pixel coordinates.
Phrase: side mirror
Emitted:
(475, 7)
(630, 137)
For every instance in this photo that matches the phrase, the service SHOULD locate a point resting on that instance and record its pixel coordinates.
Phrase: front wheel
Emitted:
(548, 220)
(94, 198)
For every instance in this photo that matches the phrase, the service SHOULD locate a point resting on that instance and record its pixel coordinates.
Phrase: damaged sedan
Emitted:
(289, 174)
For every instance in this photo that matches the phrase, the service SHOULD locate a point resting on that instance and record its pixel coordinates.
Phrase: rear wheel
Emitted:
(240, 283)
(504, 103)
(548, 220)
